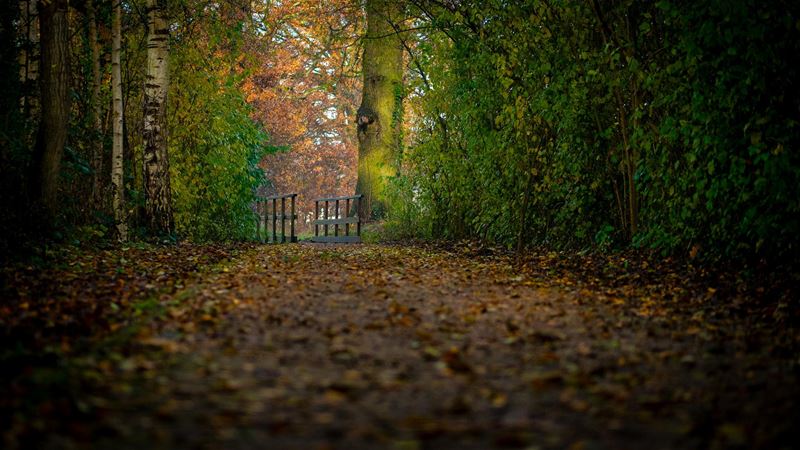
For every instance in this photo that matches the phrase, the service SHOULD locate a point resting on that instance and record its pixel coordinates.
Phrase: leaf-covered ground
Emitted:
(381, 346)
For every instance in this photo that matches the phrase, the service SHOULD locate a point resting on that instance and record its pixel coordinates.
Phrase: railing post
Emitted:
(274, 220)
(358, 229)
(336, 227)
(283, 219)
(347, 215)
(316, 217)
(261, 206)
(326, 217)
(292, 218)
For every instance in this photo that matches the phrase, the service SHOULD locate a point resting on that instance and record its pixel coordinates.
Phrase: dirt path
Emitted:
(366, 346)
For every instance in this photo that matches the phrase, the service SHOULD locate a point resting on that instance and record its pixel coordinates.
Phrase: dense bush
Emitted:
(669, 124)
(214, 144)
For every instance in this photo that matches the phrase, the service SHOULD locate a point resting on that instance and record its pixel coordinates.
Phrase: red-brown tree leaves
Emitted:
(305, 92)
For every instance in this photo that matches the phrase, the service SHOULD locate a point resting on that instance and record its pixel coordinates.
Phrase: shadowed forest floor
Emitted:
(308, 346)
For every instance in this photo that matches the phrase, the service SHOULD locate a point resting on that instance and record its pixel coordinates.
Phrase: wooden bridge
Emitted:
(265, 215)
(341, 219)
(338, 220)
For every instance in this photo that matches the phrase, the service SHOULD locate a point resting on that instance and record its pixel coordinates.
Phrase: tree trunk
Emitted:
(10, 88)
(55, 102)
(120, 218)
(28, 58)
(9, 99)
(96, 111)
(158, 199)
(380, 113)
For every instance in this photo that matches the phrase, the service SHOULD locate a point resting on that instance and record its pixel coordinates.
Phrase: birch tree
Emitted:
(117, 150)
(158, 198)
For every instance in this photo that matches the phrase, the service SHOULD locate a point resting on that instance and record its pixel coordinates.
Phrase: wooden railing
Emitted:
(265, 215)
(338, 219)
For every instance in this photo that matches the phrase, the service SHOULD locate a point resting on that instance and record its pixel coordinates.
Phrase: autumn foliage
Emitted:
(305, 89)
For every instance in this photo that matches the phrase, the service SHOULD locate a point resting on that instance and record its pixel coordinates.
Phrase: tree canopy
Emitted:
(666, 125)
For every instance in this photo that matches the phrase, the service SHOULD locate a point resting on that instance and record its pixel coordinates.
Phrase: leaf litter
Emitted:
(390, 346)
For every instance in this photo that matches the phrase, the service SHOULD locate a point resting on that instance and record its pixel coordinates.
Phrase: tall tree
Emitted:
(55, 101)
(158, 197)
(96, 109)
(9, 75)
(116, 151)
(28, 57)
(380, 113)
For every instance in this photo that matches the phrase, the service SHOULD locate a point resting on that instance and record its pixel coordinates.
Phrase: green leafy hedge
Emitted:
(214, 144)
(668, 124)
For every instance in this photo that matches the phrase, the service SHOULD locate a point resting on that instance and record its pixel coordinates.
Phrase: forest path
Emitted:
(408, 347)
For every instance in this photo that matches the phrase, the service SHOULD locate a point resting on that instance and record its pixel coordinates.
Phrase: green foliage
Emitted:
(214, 144)
(557, 123)
(408, 216)
(728, 162)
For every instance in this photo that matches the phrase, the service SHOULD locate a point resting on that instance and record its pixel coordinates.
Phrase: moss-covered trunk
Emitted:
(380, 113)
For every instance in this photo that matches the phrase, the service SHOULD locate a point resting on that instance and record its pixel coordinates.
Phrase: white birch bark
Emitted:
(116, 151)
(158, 198)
